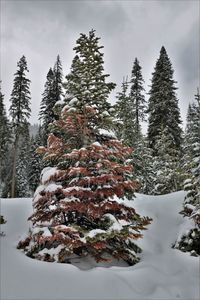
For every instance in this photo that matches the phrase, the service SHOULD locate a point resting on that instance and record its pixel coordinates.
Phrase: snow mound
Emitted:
(162, 273)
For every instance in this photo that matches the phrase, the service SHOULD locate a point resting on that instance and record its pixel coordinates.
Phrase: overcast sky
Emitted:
(41, 30)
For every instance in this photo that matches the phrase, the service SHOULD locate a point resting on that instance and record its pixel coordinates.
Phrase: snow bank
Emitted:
(162, 273)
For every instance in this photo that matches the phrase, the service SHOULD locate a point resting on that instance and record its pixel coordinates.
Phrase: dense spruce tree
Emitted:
(137, 98)
(35, 162)
(164, 113)
(190, 240)
(52, 94)
(78, 208)
(19, 112)
(58, 79)
(22, 188)
(87, 82)
(168, 173)
(124, 119)
(5, 140)
(47, 114)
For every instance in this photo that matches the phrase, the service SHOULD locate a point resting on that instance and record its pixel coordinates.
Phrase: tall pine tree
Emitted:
(137, 98)
(19, 112)
(77, 210)
(52, 94)
(190, 240)
(5, 140)
(164, 113)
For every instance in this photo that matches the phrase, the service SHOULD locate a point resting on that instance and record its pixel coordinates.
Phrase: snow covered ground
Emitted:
(163, 273)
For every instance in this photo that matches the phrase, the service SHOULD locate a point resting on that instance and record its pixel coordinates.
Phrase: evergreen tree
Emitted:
(35, 162)
(58, 79)
(168, 177)
(47, 114)
(19, 112)
(76, 208)
(124, 118)
(144, 167)
(137, 99)
(52, 94)
(5, 139)
(164, 113)
(22, 166)
(190, 240)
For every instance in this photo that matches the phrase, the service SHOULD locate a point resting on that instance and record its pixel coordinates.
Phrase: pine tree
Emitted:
(22, 188)
(35, 162)
(58, 79)
(144, 167)
(124, 120)
(52, 94)
(47, 114)
(164, 113)
(168, 177)
(19, 112)
(137, 98)
(5, 140)
(77, 212)
(190, 240)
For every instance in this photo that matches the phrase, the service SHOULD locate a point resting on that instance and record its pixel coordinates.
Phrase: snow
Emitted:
(107, 133)
(162, 273)
(47, 173)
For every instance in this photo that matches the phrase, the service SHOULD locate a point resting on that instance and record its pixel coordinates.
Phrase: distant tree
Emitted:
(58, 79)
(19, 112)
(168, 174)
(137, 98)
(164, 113)
(51, 95)
(125, 124)
(190, 240)
(47, 114)
(22, 166)
(36, 163)
(5, 140)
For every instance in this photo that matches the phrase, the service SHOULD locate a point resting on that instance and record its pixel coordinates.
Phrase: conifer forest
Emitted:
(108, 177)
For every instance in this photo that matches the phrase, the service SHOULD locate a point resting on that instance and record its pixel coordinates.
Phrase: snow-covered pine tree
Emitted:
(19, 112)
(78, 208)
(144, 166)
(35, 162)
(5, 140)
(164, 113)
(137, 98)
(58, 79)
(52, 93)
(22, 188)
(167, 169)
(124, 127)
(190, 240)
(47, 114)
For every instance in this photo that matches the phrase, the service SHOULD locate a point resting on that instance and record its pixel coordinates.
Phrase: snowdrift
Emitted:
(162, 273)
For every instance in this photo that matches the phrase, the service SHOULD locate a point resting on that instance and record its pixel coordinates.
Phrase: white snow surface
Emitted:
(162, 273)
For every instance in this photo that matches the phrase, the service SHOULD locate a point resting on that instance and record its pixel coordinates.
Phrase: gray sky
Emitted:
(42, 29)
